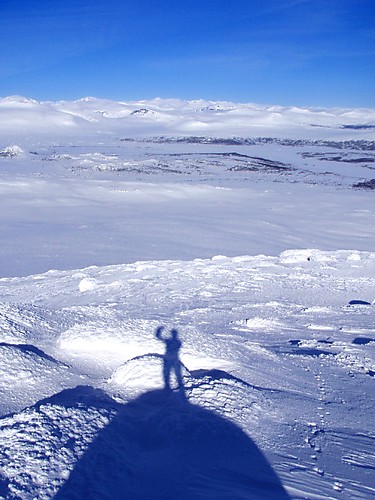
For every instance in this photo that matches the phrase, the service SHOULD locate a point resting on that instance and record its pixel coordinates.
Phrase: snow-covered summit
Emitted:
(17, 99)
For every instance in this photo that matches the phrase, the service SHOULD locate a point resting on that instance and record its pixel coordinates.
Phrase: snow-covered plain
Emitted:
(249, 229)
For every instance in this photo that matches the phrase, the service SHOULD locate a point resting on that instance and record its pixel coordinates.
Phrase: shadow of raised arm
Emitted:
(158, 334)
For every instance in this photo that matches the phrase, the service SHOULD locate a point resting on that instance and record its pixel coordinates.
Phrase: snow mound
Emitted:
(110, 345)
(141, 374)
(157, 446)
(11, 151)
(88, 284)
(27, 374)
(28, 323)
(55, 432)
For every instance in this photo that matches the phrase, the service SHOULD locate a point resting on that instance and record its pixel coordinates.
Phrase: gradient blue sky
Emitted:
(288, 52)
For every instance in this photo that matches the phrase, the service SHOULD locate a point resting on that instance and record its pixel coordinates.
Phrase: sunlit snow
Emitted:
(248, 229)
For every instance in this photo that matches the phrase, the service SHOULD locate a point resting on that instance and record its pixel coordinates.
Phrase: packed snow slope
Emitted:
(277, 358)
(249, 232)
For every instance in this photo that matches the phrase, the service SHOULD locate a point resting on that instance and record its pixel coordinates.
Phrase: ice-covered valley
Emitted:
(248, 230)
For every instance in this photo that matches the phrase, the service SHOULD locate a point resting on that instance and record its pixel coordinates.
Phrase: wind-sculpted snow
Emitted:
(277, 363)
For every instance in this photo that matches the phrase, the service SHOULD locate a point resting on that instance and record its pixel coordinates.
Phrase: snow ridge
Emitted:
(175, 116)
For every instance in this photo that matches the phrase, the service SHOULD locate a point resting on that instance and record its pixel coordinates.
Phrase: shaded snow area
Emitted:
(276, 357)
(141, 357)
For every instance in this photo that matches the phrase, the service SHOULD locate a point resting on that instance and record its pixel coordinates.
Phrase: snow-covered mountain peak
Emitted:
(17, 100)
(183, 117)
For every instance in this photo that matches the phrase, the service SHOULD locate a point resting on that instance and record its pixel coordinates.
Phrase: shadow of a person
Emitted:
(161, 446)
(158, 448)
(171, 361)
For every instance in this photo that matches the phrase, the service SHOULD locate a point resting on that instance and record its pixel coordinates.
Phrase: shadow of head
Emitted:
(161, 447)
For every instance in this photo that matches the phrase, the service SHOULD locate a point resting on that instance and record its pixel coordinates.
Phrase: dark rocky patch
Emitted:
(362, 340)
(358, 145)
(294, 341)
(356, 302)
(7, 153)
(368, 185)
(141, 111)
(339, 157)
(360, 160)
(358, 127)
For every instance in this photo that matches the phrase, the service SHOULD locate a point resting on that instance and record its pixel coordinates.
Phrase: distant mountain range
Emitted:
(175, 117)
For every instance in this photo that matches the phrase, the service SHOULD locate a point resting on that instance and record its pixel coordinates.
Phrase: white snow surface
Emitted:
(178, 117)
(271, 345)
(119, 218)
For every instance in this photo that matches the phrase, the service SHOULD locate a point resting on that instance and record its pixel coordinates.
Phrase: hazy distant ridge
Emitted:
(176, 117)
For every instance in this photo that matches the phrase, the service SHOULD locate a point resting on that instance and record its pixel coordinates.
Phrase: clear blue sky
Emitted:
(301, 52)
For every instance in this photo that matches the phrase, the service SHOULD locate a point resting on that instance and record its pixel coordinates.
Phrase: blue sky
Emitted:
(288, 52)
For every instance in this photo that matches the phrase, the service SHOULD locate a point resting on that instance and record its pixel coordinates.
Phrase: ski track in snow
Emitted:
(267, 343)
